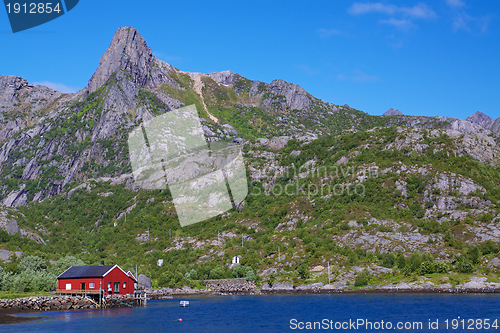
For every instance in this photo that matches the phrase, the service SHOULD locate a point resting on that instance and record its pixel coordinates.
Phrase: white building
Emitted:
(236, 259)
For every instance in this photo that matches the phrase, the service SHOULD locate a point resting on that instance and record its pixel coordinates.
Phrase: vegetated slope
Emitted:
(355, 200)
(327, 182)
(50, 139)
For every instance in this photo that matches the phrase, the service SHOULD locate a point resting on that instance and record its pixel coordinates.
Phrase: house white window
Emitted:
(91, 285)
(124, 285)
(109, 285)
(68, 286)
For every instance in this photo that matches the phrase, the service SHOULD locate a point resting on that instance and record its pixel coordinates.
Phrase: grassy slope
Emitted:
(70, 226)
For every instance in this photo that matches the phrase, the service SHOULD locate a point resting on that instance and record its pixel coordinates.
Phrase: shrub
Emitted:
(448, 238)
(441, 267)
(170, 279)
(66, 262)
(216, 273)
(362, 279)
(465, 266)
(389, 260)
(401, 262)
(303, 270)
(32, 263)
(426, 267)
(250, 275)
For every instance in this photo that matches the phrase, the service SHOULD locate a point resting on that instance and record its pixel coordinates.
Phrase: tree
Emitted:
(32, 264)
(465, 266)
(250, 276)
(66, 262)
(303, 270)
(216, 273)
(363, 278)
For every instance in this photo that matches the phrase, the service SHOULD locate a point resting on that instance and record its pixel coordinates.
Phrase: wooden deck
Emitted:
(78, 291)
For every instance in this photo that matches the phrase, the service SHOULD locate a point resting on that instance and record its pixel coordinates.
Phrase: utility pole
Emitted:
(328, 272)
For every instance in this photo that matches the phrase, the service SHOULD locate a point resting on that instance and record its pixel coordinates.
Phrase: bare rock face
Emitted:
(17, 94)
(9, 225)
(392, 112)
(224, 77)
(495, 127)
(143, 281)
(296, 97)
(16, 198)
(485, 121)
(129, 52)
(465, 127)
(480, 119)
(16, 91)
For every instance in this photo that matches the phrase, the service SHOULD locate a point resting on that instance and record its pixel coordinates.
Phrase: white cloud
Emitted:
(308, 70)
(363, 8)
(402, 24)
(57, 86)
(358, 76)
(455, 3)
(166, 57)
(421, 10)
(325, 33)
(464, 21)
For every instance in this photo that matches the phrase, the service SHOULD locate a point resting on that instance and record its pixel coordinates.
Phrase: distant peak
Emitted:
(393, 112)
(480, 119)
(478, 114)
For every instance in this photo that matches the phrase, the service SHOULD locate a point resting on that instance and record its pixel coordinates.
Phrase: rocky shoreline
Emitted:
(228, 287)
(54, 303)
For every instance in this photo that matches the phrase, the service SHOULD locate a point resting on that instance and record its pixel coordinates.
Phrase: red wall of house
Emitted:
(117, 275)
(76, 283)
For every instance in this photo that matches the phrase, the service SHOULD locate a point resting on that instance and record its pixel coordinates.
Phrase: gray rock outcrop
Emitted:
(484, 121)
(129, 52)
(230, 285)
(392, 112)
(143, 282)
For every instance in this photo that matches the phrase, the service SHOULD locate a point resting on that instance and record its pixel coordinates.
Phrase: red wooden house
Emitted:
(111, 279)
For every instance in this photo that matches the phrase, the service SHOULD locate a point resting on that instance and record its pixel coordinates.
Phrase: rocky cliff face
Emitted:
(51, 141)
(130, 53)
(485, 121)
(392, 112)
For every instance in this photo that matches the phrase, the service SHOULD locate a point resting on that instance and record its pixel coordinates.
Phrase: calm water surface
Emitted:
(273, 313)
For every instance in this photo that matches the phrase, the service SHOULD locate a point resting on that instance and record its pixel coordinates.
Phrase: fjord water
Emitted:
(271, 313)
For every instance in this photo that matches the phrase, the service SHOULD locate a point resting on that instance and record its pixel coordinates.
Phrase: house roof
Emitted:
(86, 271)
(129, 273)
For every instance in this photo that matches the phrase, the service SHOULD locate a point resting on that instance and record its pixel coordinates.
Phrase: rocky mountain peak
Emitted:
(17, 93)
(480, 119)
(392, 112)
(129, 52)
(224, 77)
(296, 96)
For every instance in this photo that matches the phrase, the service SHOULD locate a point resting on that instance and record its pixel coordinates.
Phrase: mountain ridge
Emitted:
(49, 139)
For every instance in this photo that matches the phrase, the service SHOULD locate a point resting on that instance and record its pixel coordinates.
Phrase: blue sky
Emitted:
(429, 58)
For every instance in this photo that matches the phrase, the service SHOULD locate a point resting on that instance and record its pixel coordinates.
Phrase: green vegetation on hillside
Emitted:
(83, 225)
